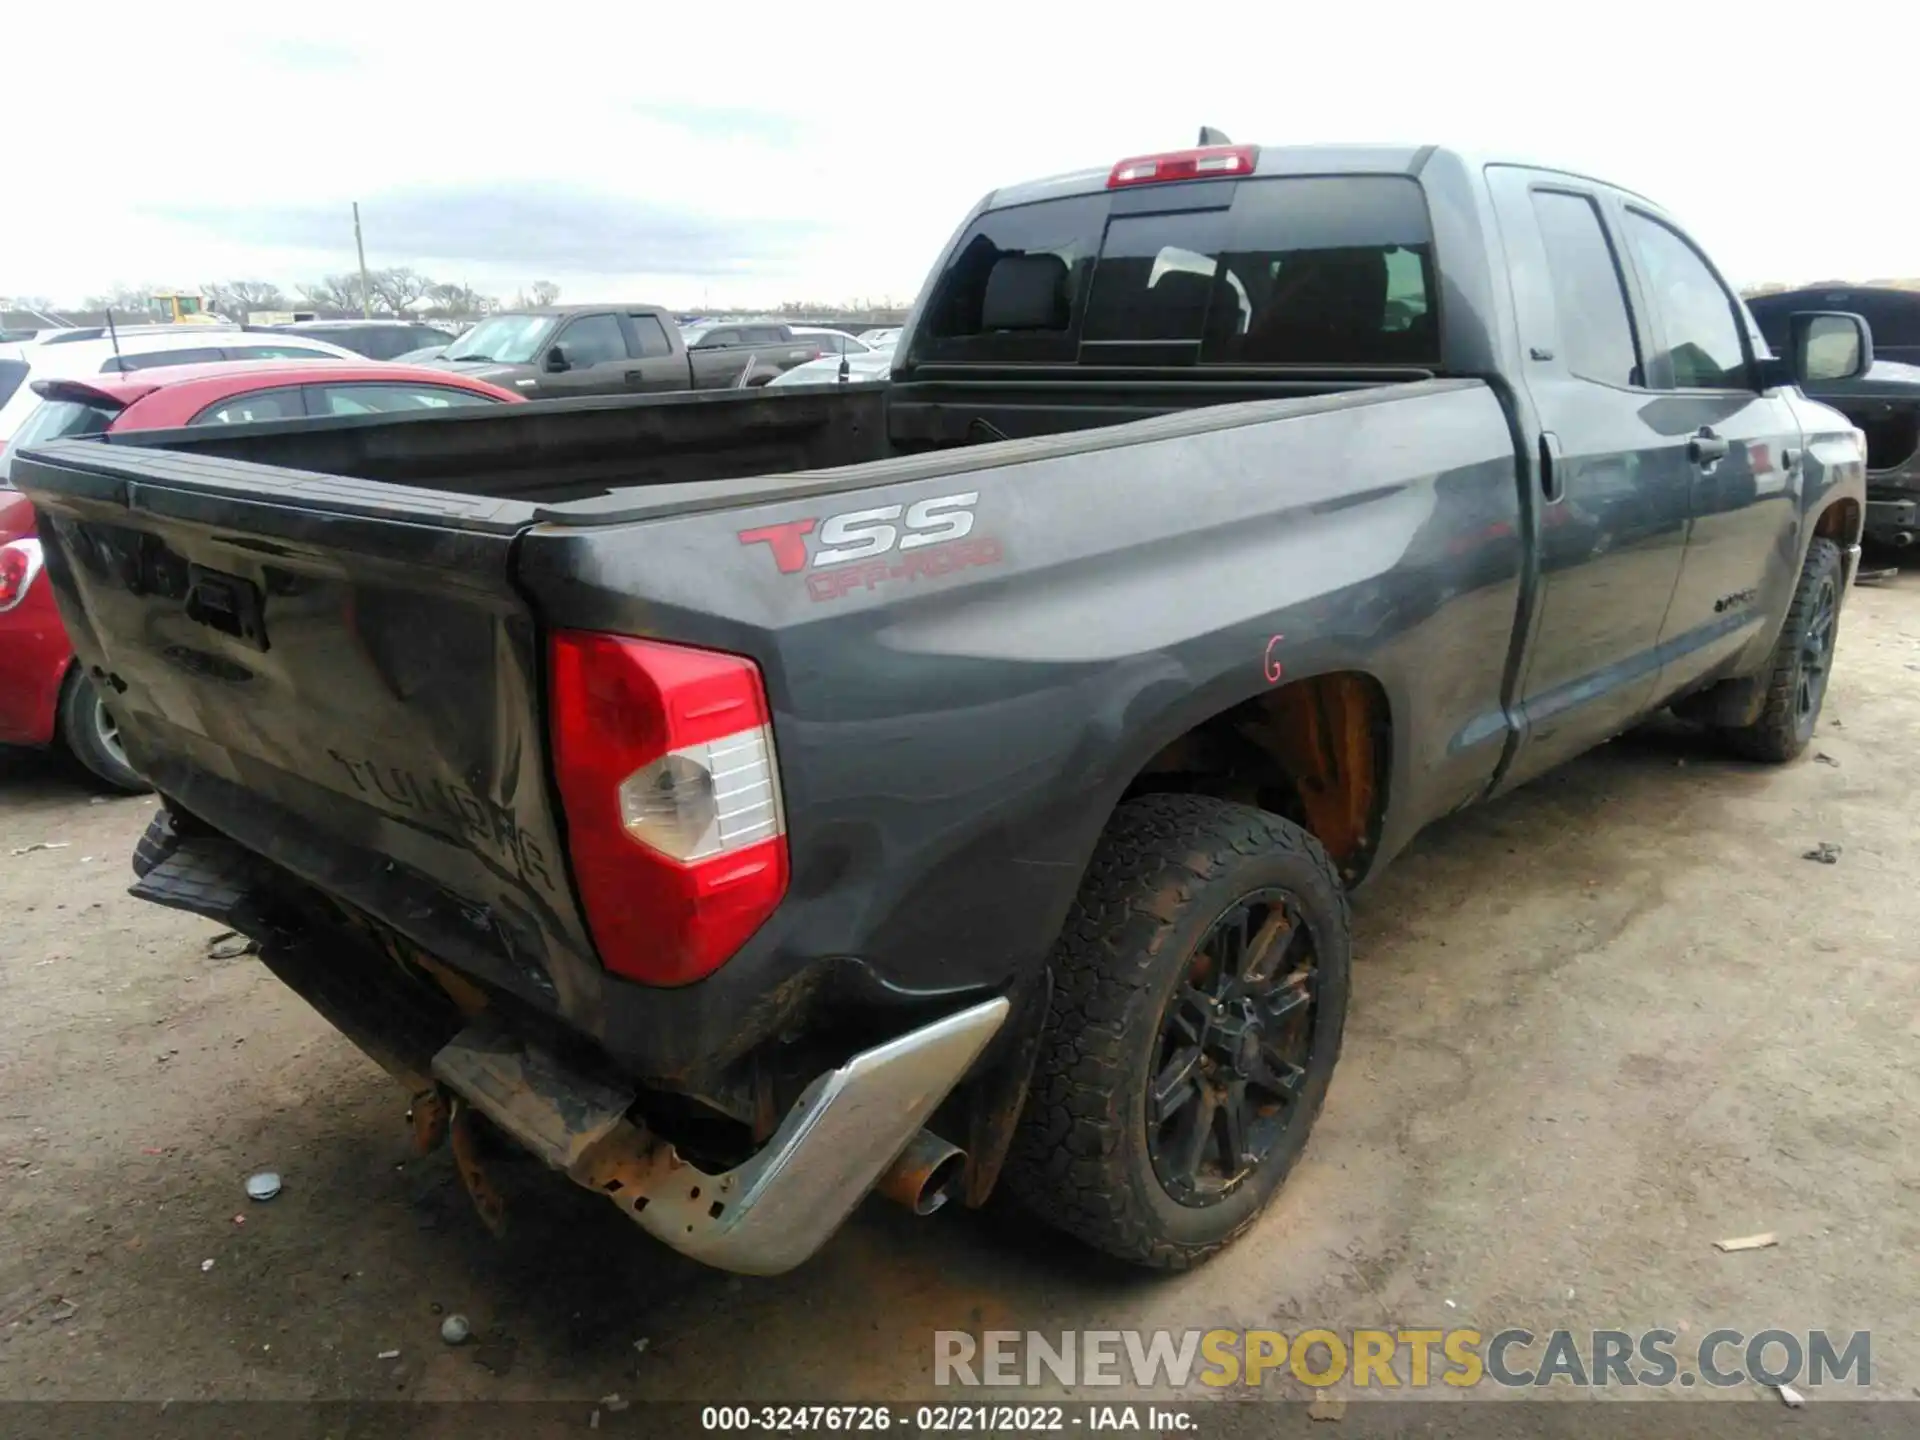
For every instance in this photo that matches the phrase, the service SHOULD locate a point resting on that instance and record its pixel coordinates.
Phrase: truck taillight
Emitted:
(19, 567)
(665, 760)
(1208, 162)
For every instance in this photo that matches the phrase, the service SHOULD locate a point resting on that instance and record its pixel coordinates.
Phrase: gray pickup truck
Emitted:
(746, 802)
(566, 351)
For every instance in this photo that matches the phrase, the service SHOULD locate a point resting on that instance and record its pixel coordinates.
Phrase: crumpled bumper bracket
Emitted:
(776, 1208)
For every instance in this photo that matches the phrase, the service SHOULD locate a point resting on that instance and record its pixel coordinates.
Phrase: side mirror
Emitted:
(1825, 346)
(556, 360)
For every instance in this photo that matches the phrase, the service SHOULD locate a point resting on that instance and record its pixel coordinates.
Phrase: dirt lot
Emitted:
(1595, 1027)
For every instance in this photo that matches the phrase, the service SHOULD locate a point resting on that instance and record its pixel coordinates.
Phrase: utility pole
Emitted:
(366, 288)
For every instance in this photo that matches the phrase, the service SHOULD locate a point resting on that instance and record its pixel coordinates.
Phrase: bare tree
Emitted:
(236, 298)
(456, 301)
(123, 299)
(398, 289)
(335, 292)
(544, 292)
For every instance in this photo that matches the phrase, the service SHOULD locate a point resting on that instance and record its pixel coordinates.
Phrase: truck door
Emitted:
(1611, 479)
(717, 359)
(652, 365)
(1741, 447)
(595, 349)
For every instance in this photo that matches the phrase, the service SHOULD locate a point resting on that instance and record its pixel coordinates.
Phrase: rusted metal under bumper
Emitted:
(772, 1211)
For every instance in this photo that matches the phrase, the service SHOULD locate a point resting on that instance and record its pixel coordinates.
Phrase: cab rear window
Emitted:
(1331, 270)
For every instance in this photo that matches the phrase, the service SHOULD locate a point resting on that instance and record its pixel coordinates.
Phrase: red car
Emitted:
(44, 697)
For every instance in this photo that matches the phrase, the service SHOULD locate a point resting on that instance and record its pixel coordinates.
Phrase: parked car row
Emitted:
(21, 366)
(82, 381)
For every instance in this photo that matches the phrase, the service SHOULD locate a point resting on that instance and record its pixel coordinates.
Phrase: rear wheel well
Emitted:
(1315, 751)
(1840, 523)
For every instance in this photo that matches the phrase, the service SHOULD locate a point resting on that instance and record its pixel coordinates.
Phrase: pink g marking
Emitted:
(1268, 663)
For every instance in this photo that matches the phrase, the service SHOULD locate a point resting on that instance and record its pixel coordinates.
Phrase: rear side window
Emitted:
(273, 352)
(389, 399)
(1596, 337)
(649, 337)
(151, 359)
(1309, 270)
(54, 420)
(61, 420)
(767, 335)
(282, 404)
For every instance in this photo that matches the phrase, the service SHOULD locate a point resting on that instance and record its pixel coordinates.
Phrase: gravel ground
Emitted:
(1596, 1026)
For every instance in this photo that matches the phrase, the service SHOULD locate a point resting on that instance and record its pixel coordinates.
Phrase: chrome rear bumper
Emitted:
(775, 1209)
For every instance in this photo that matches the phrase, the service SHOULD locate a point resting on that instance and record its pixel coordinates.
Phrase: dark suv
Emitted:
(375, 339)
(1884, 403)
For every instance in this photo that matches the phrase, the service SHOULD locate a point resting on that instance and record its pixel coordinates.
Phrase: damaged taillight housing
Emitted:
(665, 760)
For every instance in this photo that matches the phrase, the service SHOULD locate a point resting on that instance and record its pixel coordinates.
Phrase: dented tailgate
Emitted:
(339, 675)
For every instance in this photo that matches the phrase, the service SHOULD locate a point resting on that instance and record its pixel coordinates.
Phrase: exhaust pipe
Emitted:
(1903, 539)
(922, 1179)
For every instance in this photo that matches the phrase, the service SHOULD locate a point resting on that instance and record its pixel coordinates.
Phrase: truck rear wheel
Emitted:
(1802, 660)
(1200, 991)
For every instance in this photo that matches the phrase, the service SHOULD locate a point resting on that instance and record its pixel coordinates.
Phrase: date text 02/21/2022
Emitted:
(985, 1419)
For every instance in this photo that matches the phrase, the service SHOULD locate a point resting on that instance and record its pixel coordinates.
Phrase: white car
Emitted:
(869, 365)
(169, 345)
(831, 342)
(881, 339)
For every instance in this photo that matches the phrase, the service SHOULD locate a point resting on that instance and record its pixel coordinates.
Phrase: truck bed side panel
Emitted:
(956, 722)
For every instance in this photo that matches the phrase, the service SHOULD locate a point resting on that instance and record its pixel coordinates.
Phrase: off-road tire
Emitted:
(1781, 732)
(80, 734)
(1167, 867)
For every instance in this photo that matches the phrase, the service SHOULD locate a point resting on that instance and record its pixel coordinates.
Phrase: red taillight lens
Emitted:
(1209, 162)
(19, 567)
(665, 760)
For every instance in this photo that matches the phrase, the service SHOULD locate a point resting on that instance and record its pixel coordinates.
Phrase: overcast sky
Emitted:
(742, 152)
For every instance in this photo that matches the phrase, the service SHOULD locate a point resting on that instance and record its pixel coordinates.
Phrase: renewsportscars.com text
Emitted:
(1514, 1358)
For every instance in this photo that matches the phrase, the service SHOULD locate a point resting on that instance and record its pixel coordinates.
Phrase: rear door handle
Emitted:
(1706, 448)
(636, 374)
